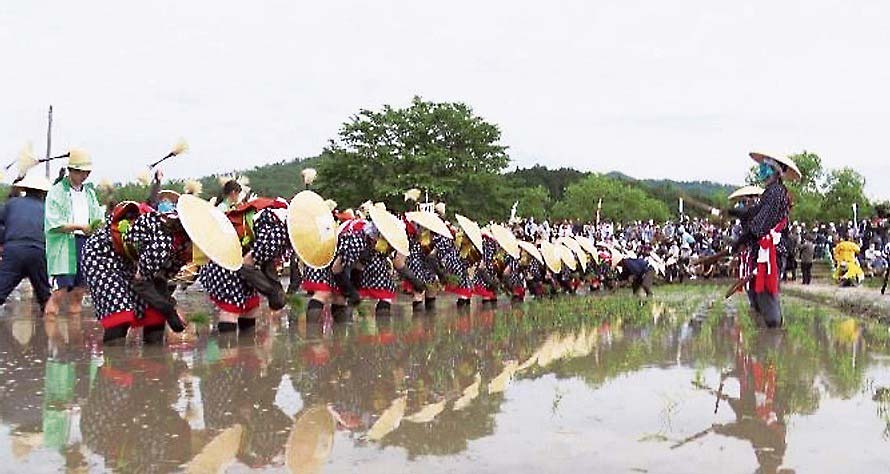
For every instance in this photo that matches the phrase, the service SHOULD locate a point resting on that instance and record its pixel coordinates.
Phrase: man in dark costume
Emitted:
(766, 221)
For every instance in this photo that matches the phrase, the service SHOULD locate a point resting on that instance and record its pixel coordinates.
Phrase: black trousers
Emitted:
(806, 270)
(20, 262)
(643, 281)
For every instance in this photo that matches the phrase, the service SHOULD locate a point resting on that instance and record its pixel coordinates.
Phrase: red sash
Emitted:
(767, 278)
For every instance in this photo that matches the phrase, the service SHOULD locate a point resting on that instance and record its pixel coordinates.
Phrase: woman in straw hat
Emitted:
(72, 212)
(333, 284)
(455, 255)
(387, 250)
(766, 221)
(22, 238)
(128, 264)
(485, 282)
(420, 274)
(264, 241)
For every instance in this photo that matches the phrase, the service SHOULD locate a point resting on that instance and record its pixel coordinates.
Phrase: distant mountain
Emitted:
(700, 189)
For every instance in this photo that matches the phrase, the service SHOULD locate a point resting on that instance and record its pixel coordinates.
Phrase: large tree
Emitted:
(442, 148)
(622, 201)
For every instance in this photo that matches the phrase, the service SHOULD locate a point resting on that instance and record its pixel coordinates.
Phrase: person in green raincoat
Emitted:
(72, 212)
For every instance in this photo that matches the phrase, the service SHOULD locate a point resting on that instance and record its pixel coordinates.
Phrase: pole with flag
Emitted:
(681, 206)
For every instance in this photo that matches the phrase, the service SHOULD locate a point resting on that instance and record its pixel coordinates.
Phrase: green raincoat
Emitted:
(61, 250)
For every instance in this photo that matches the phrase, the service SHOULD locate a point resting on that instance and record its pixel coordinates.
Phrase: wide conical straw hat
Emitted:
(211, 231)
(311, 440)
(506, 240)
(472, 230)
(216, 455)
(531, 250)
(312, 229)
(745, 191)
(429, 221)
(33, 180)
(575, 247)
(587, 245)
(792, 172)
(551, 258)
(567, 257)
(391, 228)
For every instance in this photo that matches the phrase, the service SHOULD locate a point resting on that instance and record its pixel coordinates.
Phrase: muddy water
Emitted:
(683, 384)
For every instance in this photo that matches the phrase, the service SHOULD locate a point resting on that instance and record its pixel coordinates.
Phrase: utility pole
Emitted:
(49, 139)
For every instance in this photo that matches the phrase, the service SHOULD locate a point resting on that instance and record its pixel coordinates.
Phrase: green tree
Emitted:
(843, 187)
(621, 201)
(437, 147)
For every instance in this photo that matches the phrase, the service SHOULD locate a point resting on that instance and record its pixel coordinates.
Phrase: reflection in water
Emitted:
(428, 386)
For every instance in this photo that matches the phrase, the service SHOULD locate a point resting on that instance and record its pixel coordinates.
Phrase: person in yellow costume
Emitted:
(847, 270)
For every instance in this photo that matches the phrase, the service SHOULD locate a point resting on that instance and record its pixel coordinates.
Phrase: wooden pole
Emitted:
(49, 139)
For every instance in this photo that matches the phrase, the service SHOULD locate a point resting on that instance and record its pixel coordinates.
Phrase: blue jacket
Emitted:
(633, 267)
(21, 222)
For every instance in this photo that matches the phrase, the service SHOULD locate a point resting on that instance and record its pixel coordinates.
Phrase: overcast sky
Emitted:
(655, 89)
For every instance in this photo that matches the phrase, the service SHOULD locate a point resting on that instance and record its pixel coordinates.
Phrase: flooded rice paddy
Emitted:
(684, 383)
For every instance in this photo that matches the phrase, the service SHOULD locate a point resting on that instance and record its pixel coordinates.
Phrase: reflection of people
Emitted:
(23, 240)
(760, 414)
(71, 211)
(129, 419)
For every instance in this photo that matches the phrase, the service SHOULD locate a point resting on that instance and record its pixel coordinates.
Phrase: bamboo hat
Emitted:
(211, 231)
(33, 181)
(169, 194)
(576, 248)
(791, 170)
(745, 191)
(429, 221)
(474, 233)
(551, 258)
(567, 257)
(587, 245)
(391, 228)
(506, 240)
(311, 229)
(530, 248)
(311, 440)
(79, 159)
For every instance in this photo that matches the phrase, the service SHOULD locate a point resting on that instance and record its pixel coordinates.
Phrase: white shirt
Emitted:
(80, 208)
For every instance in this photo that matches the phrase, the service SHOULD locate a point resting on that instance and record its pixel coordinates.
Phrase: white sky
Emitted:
(676, 89)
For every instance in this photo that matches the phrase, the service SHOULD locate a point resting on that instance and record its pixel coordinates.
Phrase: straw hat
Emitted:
(391, 228)
(169, 194)
(219, 452)
(211, 231)
(430, 221)
(312, 230)
(617, 256)
(331, 204)
(79, 159)
(567, 257)
(745, 191)
(791, 172)
(530, 248)
(505, 239)
(311, 440)
(440, 208)
(33, 181)
(576, 248)
(587, 245)
(412, 194)
(472, 231)
(551, 258)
